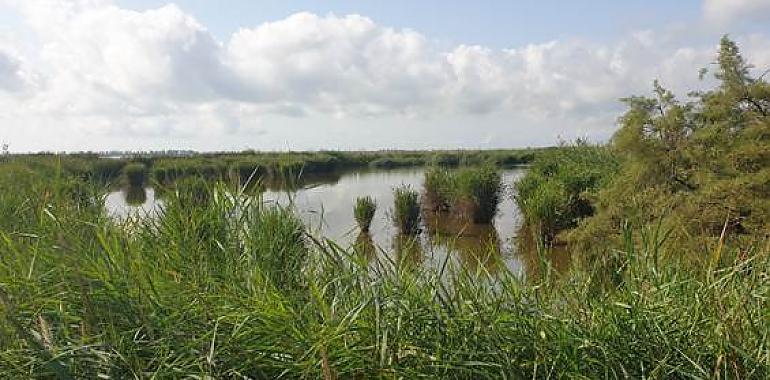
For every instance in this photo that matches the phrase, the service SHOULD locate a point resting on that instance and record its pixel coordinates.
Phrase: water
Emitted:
(132, 202)
(325, 204)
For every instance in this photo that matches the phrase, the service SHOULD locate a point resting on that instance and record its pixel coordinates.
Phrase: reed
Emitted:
(478, 193)
(470, 193)
(438, 187)
(135, 174)
(363, 212)
(406, 211)
(231, 287)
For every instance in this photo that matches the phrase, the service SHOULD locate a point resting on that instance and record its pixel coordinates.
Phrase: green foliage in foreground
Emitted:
(232, 288)
(363, 212)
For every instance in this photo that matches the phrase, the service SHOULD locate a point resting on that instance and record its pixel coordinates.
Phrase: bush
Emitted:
(193, 191)
(105, 169)
(406, 214)
(364, 211)
(437, 189)
(555, 193)
(470, 193)
(478, 193)
(135, 174)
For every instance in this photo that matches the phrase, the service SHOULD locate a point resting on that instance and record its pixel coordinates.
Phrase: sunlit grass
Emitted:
(229, 287)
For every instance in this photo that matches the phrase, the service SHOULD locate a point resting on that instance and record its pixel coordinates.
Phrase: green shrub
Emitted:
(438, 187)
(106, 169)
(471, 193)
(364, 211)
(555, 193)
(406, 213)
(193, 191)
(477, 193)
(135, 174)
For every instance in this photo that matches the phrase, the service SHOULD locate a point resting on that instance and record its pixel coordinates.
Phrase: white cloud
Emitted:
(91, 68)
(11, 77)
(724, 12)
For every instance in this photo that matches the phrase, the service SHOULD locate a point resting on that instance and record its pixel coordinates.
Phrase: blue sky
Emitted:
(497, 23)
(193, 74)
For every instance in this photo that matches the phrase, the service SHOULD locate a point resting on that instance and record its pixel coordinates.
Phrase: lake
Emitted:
(325, 204)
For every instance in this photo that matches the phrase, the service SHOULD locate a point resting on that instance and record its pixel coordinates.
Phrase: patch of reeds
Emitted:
(438, 188)
(135, 196)
(135, 174)
(470, 193)
(477, 193)
(553, 194)
(232, 288)
(406, 210)
(363, 212)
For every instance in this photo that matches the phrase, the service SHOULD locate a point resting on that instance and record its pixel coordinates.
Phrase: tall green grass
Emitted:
(478, 193)
(406, 210)
(556, 191)
(232, 288)
(470, 193)
(438, 189)
(135, 174)
(363, 212)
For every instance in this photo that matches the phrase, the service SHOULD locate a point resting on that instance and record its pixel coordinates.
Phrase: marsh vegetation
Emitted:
(666, 228)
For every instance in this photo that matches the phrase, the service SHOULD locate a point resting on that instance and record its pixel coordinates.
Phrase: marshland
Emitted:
(643, 257)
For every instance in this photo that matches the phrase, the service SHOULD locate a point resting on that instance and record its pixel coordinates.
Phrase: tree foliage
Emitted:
(701, 167)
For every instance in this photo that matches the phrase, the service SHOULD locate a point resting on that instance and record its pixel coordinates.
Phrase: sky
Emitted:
(103, 75)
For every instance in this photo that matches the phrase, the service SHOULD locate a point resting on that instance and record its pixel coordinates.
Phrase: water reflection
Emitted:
(539, 259)
(478, 246)
(408, 250)
(132, 202)
(135, 195)
(364, 245)
(325, 204)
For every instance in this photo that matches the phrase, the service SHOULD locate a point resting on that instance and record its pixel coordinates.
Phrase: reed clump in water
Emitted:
(438, 188)
(364, 211)
(478, 193)
(135, 174)
(470, 193)
(406, 211)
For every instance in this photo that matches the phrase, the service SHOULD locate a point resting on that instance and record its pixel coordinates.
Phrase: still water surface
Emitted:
(325, 204)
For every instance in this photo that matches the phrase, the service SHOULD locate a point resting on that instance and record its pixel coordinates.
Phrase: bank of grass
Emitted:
(234, 288)
(239, 167)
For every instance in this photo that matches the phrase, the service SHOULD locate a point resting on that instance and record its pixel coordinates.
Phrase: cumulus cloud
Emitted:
(94, 68)
(11, 79)
(724, 12)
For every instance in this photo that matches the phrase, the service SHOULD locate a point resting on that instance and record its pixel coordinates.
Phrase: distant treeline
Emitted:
(245, 165)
